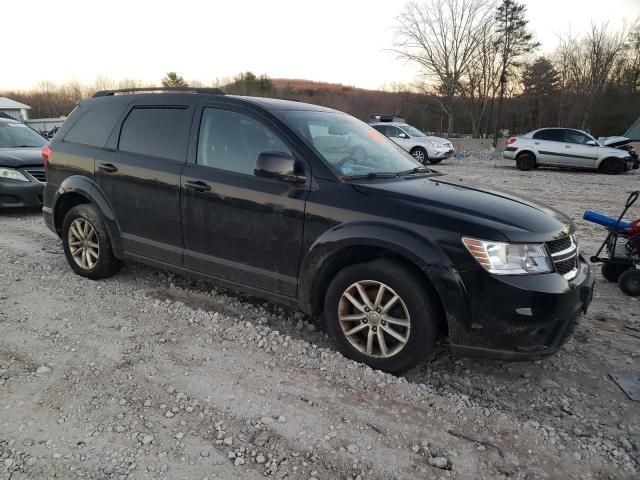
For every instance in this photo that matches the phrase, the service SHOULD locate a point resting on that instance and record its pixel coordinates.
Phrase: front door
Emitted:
(239, 227)
(140, 176)
(581, 154)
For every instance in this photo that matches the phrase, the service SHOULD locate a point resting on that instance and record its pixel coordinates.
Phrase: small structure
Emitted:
(634, 131)
(16, 110)
(45, 125)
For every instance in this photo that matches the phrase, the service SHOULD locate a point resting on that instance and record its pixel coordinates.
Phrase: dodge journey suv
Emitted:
(250, 194)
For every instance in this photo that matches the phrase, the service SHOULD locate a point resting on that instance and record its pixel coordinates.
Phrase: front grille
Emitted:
(37, 173)
(564, 253)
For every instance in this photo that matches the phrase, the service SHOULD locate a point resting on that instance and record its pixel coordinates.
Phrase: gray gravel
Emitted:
(150, 375)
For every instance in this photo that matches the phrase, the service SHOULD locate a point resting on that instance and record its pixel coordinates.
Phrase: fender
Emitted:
(84, 186)
(420, 251)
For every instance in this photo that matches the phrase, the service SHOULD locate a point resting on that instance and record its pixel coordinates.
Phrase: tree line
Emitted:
(479, 74)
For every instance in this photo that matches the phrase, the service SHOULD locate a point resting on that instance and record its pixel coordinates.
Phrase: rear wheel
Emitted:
(380, 314)
(630, 282)
(420, 154)
(612, 271)
(526, 162)
(612, 166)
(86, 243)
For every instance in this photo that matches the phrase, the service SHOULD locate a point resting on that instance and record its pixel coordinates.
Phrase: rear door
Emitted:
(239, 227)
(549, 144)
(581, 155)
(140, 176)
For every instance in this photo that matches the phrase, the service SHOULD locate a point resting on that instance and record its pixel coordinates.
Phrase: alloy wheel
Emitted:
(83, 243)
(418, 155)
(374, 318)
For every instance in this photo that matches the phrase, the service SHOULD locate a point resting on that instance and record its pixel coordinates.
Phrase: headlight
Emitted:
(12, 174)
(509, 258)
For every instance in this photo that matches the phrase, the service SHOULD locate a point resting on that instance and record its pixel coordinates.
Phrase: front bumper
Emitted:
(17, 194)
(440, 153)
(521, 317)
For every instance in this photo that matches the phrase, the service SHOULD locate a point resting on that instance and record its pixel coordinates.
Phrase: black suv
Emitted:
(258, 195)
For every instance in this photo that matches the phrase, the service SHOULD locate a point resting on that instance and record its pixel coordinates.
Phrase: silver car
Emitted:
(423, 147)
(565, 147)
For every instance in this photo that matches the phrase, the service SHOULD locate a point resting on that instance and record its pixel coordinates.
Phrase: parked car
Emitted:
(22, 174)
(566, 147)
(238, 191)
(423, 147)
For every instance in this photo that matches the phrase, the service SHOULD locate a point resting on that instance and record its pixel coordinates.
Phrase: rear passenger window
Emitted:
(94, 126)
(157, 132)
(232, 141)
(554, 135)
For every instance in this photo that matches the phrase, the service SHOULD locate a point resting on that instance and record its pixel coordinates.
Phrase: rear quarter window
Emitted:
(552, 134)
(157, 131)
(94, 126)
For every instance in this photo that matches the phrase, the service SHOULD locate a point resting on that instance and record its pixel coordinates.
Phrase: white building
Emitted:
(14, 109)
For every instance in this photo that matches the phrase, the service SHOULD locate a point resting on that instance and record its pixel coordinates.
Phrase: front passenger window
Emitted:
(232, 141)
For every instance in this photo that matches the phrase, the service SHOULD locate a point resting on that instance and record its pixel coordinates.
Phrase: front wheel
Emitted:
(629, 282)
(612, 166)
(380, 313)
(420, 154)
(86, 243)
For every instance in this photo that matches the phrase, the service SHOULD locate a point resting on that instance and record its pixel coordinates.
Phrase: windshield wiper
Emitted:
(371, 176)
(415, 170)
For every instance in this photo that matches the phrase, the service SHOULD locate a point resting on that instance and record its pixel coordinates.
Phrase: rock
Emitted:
(352, 448)
(260, 458)
(281, 419)
(179, 435)
(549, 384)
(261, 438)
(415, 448)
(43, 369)
(231, 455)
(438, 462)
(135, 360)
(169, 414)
(228, 441)
(9, 462)
(238, 461)
(204, 453)
(266, 420)
(147, 403)
(147, 439)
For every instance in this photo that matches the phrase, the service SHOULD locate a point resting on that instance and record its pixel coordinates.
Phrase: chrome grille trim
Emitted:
(566, 258)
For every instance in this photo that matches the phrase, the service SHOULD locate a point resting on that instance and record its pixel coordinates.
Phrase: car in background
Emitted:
(22, 174)
(423, 147)
(567, 148)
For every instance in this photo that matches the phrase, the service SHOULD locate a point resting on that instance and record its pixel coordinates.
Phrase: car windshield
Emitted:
(413, 131)
(351, 147)
(17, 135)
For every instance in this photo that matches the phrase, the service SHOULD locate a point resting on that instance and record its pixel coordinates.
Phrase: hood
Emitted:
(436, 140)
(20, 157)
(614, 141)
(472, 208)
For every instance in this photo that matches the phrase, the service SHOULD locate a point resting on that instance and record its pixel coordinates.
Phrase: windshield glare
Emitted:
(413, 131)
(350, 146)
(17, 135)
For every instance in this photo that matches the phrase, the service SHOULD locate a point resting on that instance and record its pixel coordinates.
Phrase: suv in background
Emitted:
(566, 147)
(423, 147)
(252, 194)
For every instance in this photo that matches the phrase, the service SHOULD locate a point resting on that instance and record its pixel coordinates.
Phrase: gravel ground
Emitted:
(149, 375)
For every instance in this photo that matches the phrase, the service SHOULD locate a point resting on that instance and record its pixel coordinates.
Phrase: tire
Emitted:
(612, 166)
(416, 308)
(612, 271)
(83, 224)
(526, 162)
(629, 282)
(420, 154)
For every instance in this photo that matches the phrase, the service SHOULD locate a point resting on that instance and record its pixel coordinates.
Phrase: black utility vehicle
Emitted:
(252, 194)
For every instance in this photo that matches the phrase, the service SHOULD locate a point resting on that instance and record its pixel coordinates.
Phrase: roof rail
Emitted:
(209, 91)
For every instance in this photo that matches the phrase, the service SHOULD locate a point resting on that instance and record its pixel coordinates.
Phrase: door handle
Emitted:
(197, 185)
(108, 167)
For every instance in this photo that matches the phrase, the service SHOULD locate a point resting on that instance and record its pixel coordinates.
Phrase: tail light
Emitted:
(511, 140)
(46, 153)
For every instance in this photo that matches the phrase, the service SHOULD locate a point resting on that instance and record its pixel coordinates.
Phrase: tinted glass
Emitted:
(17, 135)
(94, 126)
(381, 128)
(158, 132)
(413, 131)
(350, 146)
(232, 141)
(573, 136)
(552, 134)
(393, 131)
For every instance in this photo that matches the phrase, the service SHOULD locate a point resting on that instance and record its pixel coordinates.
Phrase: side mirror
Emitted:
(278, 165)
(402, 135)
(592, 143)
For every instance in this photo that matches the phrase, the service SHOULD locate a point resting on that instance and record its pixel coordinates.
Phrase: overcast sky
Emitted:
(340, 41)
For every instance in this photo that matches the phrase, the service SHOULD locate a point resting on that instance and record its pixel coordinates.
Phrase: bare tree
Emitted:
(441, 37)
(588, 63)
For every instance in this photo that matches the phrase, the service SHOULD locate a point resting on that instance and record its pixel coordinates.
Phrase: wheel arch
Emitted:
(602, 160)
(526, 151)
(77, 190)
